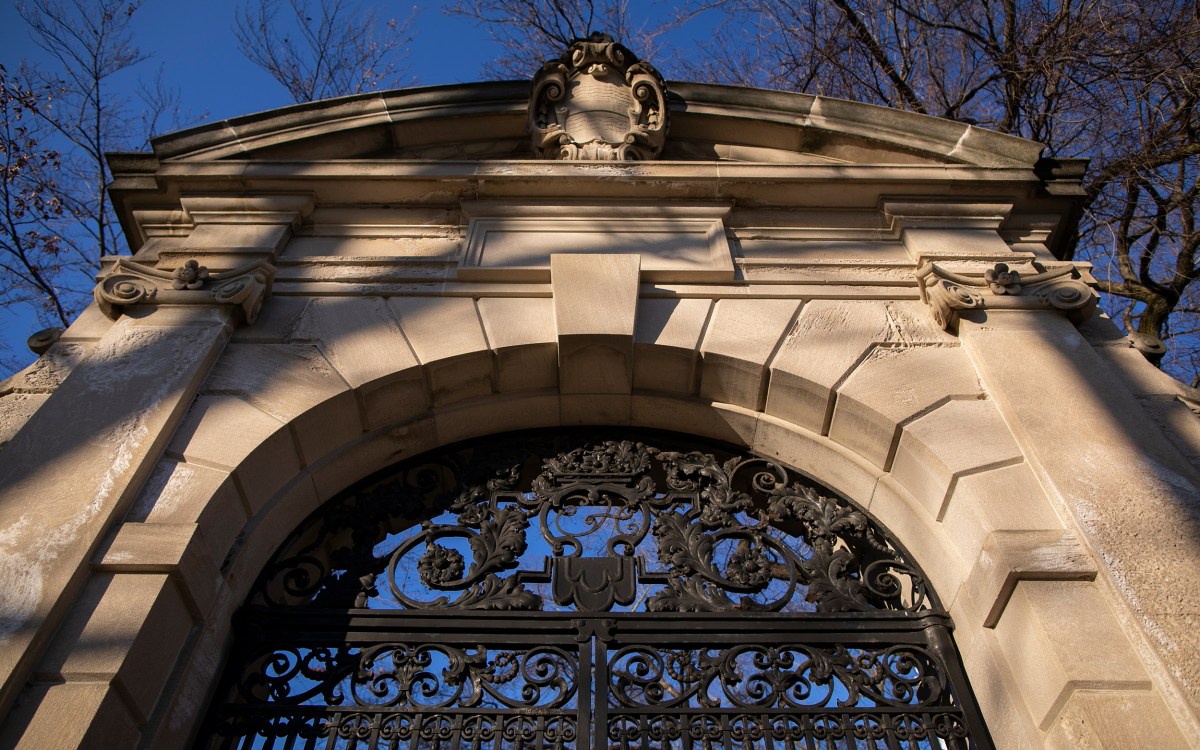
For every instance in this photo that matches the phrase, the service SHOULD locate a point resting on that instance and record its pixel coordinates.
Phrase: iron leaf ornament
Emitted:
(594, 526)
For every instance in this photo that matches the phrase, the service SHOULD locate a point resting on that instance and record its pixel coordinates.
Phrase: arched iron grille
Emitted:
(591, 590)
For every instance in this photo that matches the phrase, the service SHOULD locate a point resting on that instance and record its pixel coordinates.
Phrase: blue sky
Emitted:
(194, 43)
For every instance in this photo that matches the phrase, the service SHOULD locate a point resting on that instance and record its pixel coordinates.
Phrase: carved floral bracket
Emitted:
(131, 283)
(598, 102)
(948, 294)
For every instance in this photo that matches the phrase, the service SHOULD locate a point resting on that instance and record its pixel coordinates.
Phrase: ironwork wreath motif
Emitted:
(610, 525)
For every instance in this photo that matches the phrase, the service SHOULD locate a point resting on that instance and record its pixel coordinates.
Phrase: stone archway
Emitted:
(811, 287)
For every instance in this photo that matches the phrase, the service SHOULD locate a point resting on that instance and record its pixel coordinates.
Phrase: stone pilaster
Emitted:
(1131, 494)
(85, 455)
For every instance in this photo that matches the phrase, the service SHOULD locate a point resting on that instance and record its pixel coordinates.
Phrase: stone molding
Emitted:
(287, 208)
(948, 294)
(680, 241)
(598, 102)
(129, 283)
(901, 213)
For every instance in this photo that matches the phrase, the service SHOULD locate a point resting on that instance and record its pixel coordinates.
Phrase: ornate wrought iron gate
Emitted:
(569, 591)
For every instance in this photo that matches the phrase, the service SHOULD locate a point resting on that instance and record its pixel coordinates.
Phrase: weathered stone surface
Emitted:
(276, 321)
(939, 448)
(838, 468)
(77, 714)
(892, 385)
(829, 338)
(265, 532)
(260, 452)
(188, 687)
(933, 549)
(522, 334)
(127, 629)
(1008, 720)
(359, 336)
(15, 411)
(592, 78)
(1050, 661)
(474, 418)
(295, 384)
(183, 493)
(48, 371)
(954, 244)
(362, 340)
(177, 549)
(740, 340)
(1114, 720)
(1004, 499)
(1139, 520)
(1179, 419)
(369, 453)
(90, 326)
(595, 409)
(678, 241)
(731, 424)
(85, 459)
(1010, 556)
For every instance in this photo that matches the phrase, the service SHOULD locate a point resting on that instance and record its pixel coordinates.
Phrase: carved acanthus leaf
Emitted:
(1001, 288)
(128, 283)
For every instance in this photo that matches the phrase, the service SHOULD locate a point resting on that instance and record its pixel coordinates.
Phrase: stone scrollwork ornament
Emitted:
(598, 102)
(948, 294)
(128, 282)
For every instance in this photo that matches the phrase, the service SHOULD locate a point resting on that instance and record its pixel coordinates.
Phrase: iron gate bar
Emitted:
(371, 620)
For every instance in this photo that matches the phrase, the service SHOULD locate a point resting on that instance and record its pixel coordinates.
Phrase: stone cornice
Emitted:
(948, 294)
(500, 108)
(127, 283)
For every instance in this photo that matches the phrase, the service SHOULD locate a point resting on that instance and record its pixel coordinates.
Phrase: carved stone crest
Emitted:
(598, 102)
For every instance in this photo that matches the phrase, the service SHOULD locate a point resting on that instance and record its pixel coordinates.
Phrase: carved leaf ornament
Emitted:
(949, 294)
(128, 282)
(601, 525)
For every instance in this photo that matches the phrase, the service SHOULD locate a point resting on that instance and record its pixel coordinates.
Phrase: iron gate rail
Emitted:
(565, 682)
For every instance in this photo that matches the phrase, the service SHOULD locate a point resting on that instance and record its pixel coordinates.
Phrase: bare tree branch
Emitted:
(322, 49)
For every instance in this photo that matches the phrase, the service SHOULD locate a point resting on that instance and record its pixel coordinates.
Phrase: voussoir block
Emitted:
(447, 336)
(595, 305)
(891, 386)
(955, 439)
(523, 336)
(740, 340)
(667, 342)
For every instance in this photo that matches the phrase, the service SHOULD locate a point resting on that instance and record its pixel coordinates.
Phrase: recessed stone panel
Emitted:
(679, 241)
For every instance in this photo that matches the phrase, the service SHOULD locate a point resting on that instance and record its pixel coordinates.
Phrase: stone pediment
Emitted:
(490, 121)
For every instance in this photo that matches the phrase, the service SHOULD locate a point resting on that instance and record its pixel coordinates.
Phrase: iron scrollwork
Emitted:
(587, 590)
(612, 525)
